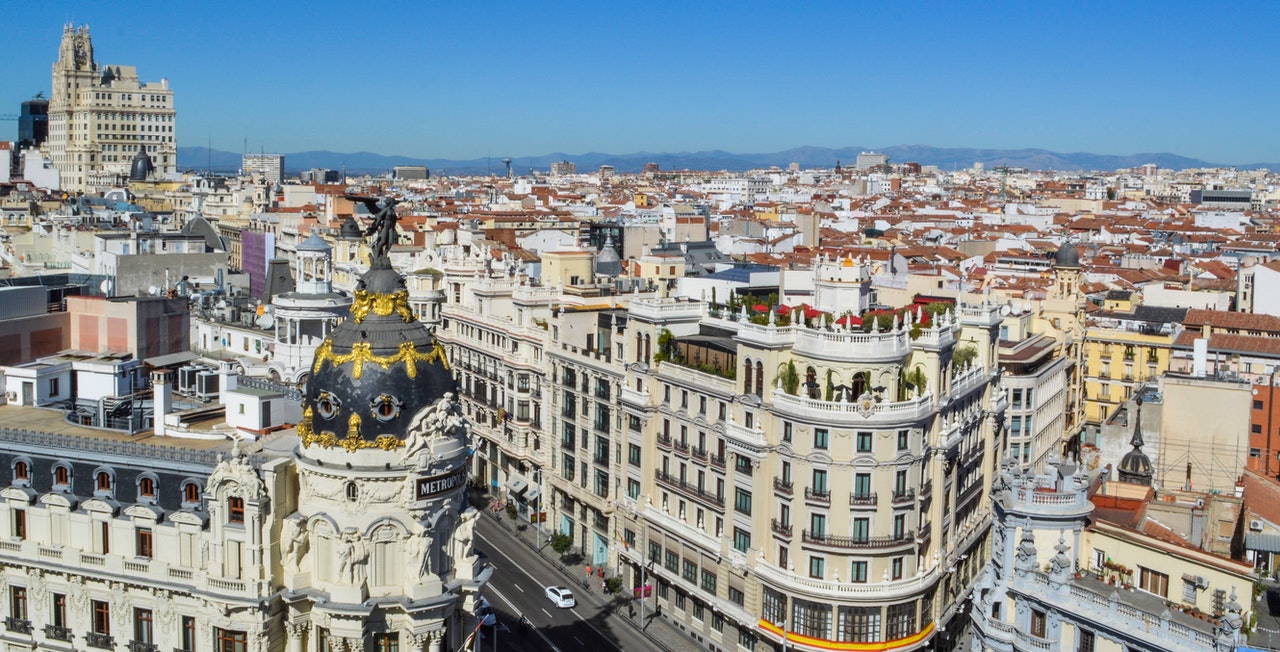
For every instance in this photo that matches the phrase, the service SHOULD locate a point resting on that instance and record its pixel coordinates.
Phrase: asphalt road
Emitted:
(518, 585)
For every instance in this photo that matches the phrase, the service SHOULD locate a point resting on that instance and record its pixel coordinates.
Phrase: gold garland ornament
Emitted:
(362, 353)
(353, 440)
(381, 304)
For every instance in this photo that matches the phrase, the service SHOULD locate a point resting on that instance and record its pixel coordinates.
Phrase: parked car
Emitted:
(561, 597)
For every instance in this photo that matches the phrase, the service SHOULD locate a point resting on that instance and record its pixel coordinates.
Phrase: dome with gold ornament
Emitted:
(379, 366)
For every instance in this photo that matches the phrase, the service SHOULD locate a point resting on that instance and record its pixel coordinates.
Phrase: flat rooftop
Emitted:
(42, 420)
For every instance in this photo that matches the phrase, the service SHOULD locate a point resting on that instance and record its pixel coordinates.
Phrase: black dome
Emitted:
(377, 369)
(350, 230)
(141, 167)
(1067, 256)
(1136, 467)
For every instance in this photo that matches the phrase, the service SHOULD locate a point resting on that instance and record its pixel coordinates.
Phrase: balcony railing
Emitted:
(142, 646)
(817, 495)
(904, 496)
(664, 441)
(97, 640)
(884, 541)
(782, 486)
(602, 459)
(682, 446)
(698, 453)
(18, 625)
(867, 499)
(689, 490)
(781, 529)
(716, 460)
(57, 632)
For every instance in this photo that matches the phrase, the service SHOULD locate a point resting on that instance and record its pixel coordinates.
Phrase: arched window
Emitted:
(859, 385)
(61, 476)
(759, 378)
(20, 470)
(747, 378)
(191, 493)
(102, 481)
(147, 487)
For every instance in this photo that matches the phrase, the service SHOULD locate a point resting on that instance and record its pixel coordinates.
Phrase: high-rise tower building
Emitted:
(101, 117)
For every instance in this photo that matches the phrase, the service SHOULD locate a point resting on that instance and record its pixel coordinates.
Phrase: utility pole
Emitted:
(644, 566)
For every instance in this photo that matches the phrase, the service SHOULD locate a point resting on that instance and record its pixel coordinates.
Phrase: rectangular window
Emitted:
(235, 510)
(689, 571)
(709, 581)
(742, 464)
(818, 524)
(742, 501)
(633, 455)
(904, 439)
(386, 642)
(859, 572)
(230, 641)
(1189, 591)
(189, 633)
(900, 620)
(746, 640)
(861, 529)
(786, 431)
(862, 485)
(1153, 582)
(633, 489)
(1037, 623)
(859, 624)
(143, 631)
(817, 567)
(820, 438)
(1086, 641)
(18, 602)
(672, 561)
(59, 615)
(864, 442)
(736, 596)
(820, 481)
(101, 618)
(896, 569)
(143, 547)
(741, 539)
(717, 622)
(19, 523)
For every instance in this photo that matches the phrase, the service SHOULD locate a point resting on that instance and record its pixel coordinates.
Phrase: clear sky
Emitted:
(469, 79)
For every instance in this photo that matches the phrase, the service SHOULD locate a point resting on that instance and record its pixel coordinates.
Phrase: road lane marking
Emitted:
(579, 641)
(517, 587)
(529, 575)
(546, 612)
(516, 609)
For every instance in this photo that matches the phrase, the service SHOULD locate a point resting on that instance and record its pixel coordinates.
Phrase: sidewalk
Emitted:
(658, 631)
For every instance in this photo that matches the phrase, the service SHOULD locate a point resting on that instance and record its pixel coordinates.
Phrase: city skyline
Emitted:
(506, 80)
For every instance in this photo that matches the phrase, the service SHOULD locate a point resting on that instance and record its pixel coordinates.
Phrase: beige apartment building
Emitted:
(101, 117)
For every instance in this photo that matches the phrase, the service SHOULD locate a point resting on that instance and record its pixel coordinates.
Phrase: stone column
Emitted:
(296, 631)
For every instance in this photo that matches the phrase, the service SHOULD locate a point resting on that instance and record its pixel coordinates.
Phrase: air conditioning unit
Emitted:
(1202, 582)
(207, 385)
(11, 396)
(1255, 525)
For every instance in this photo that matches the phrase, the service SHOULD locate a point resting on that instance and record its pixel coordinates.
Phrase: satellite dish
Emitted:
(1005, 310)
(106, 286)
(1026, 306)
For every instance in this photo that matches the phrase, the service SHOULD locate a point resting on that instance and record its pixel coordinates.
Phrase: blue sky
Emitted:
(470, 79)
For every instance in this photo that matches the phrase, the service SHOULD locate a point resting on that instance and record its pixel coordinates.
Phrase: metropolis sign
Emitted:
(438, 484)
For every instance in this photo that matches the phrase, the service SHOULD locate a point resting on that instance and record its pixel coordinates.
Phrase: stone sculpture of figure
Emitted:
(294, 536)
(426, 423)
(359, 560)
(383, 229)
(423, 548)
(346, 552)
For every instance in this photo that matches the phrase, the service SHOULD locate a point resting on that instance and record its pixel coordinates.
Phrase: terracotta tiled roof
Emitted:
(1232, 321)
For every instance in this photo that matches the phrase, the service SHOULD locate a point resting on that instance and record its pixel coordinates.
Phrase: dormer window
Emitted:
(235, 510)
(20, 471)
(103, 481)
(147, 488)
(61, 476)
(191, 493)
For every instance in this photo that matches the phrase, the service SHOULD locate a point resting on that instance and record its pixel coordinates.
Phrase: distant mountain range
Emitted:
(947, 158)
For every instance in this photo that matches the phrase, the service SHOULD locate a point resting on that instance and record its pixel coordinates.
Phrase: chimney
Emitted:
(1199, 357)
(162, 397)
(229, 379)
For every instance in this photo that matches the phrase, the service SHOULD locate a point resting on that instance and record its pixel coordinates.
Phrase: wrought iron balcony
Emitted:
(867, 499)
(782, 486)
(781, 529)
(817, 495)
(18, 625)
(884, 541)
(904, 496)
(97, 640)
(57, 632)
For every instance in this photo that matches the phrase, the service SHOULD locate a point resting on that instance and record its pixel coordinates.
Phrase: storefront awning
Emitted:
(517, 484)
(533, 494)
